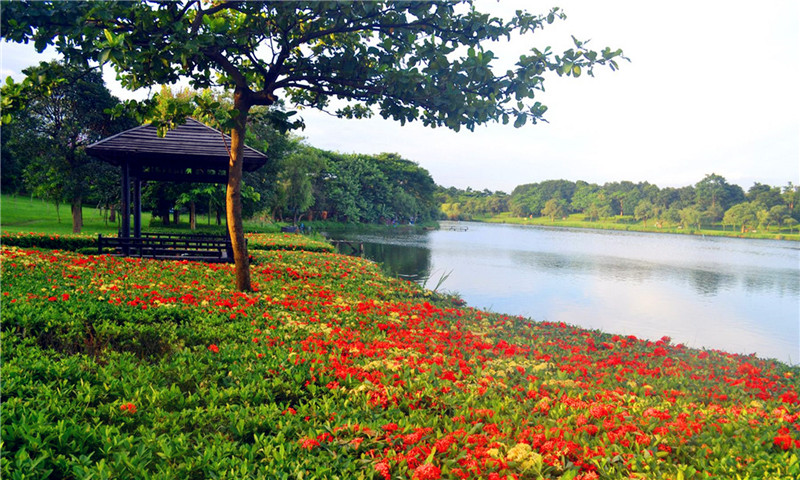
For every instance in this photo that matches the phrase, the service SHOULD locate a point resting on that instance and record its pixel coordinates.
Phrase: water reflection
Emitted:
(709, 283)
(405, 261)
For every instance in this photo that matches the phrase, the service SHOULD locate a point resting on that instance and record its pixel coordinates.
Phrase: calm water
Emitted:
(741, 296)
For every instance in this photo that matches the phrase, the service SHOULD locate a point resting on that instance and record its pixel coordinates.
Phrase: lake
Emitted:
(736, 295)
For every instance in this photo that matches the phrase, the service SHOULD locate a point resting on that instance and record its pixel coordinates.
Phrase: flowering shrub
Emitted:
(286, 241)
(130, 368)
(72, 242)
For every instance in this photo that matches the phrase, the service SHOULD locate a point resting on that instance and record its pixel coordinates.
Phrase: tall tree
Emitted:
(410, 61)
(56, 125)
(714, 191)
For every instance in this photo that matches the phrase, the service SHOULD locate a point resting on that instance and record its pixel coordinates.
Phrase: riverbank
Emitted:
(627, 223)
(128, 368)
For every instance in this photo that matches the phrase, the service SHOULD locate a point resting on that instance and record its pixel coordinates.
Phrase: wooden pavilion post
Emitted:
(137, 205)
(126, 201)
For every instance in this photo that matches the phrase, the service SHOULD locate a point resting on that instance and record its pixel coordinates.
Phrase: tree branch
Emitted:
(198, 20)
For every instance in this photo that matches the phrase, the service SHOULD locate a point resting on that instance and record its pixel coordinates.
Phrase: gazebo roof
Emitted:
(190, 145)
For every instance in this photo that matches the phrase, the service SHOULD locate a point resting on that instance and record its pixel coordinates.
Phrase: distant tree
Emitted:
(584, 196)
(712, 214)
(690, 217)
(296, 180)
(743, 214)
(411, 188)
(603, 205)
(645, 210)
(713, 191)
(624, 196)
(777, 215)
(555, 207)
(672, 214)
(666, 197)
(790, 222)
(452, 211)
(791, 197)
(765, 195)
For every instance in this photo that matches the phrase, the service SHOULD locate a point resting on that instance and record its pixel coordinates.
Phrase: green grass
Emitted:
(627, 223)
(26, 214)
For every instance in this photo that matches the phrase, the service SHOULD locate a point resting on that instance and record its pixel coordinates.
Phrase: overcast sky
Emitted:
(711, 88)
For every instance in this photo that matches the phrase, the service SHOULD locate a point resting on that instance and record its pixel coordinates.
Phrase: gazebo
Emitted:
(192, 152)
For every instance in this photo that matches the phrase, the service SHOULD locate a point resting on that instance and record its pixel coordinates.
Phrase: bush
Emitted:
(74, 242)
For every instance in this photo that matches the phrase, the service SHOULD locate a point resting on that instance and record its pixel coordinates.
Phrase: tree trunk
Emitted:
(77, 214)
(164, 214)
(176, 216)
(112, 214)
(233, 194)
(192, 217)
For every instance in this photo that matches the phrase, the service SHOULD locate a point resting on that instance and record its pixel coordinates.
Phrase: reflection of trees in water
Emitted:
(609, 267)
(408, 262)
(705, 282)
(784, 283)
(708, 283)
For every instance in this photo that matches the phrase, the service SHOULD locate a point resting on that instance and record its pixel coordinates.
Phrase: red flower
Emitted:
(390, 427)
(783, 440)
(382, 468)
(127, 408)
(213, 348)
(427, 471)
(308, 443)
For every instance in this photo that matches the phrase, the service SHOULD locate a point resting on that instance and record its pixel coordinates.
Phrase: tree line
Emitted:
(712, 200)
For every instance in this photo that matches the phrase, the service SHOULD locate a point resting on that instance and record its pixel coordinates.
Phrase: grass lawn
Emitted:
(24, 214)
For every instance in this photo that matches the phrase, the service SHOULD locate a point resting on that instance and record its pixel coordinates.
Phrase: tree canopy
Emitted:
(46, 145)
(408, 61)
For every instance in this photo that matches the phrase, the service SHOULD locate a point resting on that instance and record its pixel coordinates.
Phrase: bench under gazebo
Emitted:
(192, 152)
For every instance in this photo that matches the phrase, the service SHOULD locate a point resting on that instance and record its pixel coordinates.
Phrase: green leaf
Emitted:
(104, 55)
(576, 70)
(431, 455)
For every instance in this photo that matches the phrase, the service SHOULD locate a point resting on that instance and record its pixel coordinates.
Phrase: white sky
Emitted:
(711, 88)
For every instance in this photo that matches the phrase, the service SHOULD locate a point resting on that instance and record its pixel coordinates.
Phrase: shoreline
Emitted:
(582, 224)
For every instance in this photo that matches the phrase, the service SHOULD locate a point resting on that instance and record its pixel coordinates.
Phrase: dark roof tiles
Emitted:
(191, 144)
